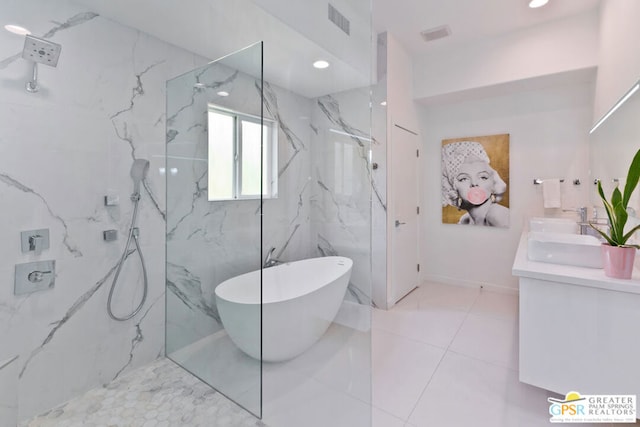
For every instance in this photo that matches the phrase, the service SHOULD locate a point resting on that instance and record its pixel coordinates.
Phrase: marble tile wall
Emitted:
(379, 194)
(62, 150)
(344, 188)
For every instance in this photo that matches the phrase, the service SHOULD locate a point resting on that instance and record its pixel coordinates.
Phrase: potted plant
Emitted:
(618, 255)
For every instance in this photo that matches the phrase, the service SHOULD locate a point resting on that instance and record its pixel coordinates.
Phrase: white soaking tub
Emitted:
(300, 300)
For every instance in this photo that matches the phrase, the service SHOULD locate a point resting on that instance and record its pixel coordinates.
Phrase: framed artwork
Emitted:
(475, 178)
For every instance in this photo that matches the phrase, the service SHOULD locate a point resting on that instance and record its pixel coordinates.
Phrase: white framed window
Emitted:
(235, 153)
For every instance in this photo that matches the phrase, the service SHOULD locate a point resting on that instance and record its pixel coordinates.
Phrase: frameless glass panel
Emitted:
(214, 293)
(317, 311)
(317, 306)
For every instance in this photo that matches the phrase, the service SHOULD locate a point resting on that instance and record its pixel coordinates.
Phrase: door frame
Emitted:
(391, 214)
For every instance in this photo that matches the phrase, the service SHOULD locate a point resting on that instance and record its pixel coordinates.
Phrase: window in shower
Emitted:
(236, 151)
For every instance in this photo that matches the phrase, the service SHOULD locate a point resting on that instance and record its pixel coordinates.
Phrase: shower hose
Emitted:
(133, 234)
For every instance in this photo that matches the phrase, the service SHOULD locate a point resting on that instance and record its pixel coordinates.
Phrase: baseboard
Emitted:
(445, 280)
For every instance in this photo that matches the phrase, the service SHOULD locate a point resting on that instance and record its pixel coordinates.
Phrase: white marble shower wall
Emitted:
(211, 241)
(344, 191)
(61, 151)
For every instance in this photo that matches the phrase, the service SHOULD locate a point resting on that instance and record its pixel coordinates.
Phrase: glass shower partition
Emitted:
(305, 212)
(214, 174)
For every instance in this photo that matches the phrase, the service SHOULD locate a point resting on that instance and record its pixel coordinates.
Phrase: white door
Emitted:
(404, 214)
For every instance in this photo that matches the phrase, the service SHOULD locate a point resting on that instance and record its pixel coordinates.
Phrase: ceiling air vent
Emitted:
(339, 19)
(436, 33)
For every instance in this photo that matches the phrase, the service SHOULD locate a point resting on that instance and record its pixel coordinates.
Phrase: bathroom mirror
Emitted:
(241, 160)
(613, 145)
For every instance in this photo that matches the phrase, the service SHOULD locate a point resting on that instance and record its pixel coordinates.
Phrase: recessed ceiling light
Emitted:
(537, 3)
(383, 103)
(17, 29)
(321, 64)
(223, 93)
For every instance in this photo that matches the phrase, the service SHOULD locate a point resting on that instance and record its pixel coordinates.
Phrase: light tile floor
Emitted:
(443, 356)
(448, 356)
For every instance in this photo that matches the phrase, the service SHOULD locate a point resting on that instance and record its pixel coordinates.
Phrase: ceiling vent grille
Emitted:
(339, 19)
(436, 33)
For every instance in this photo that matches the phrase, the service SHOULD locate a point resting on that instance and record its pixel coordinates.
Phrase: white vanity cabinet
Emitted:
(579, 330)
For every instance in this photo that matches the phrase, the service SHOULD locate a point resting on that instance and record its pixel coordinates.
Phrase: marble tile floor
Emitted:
(444, 356)
(161, 394)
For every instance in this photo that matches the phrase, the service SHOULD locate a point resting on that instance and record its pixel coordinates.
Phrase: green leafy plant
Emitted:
(616, 207)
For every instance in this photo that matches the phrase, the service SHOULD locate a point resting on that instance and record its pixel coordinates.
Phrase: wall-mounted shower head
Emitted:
(41, 51)
(138, 173)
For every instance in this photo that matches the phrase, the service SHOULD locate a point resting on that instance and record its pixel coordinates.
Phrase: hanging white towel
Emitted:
(551, 193)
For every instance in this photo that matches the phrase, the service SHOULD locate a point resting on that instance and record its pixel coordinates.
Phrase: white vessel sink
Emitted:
(554, 225)
(564, 248)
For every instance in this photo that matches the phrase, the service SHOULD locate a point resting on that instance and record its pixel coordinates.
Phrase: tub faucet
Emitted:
(269, 261)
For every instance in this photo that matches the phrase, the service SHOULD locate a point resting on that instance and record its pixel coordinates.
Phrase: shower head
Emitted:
(41, 51)
(138, 173)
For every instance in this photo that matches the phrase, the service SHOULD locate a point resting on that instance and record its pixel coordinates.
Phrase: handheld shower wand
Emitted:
(139, 171)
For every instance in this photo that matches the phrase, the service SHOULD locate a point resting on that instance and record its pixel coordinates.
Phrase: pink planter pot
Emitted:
(618, 261)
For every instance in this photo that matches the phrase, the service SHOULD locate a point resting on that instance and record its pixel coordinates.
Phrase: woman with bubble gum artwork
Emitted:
(469, 183)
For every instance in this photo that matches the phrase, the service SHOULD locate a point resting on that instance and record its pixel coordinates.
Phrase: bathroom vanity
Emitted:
(579, 330)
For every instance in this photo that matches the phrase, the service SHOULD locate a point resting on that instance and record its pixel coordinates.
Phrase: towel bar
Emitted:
(538, 181)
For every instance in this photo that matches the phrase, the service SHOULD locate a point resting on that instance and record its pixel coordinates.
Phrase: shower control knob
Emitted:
(110, 235)
(111, 200)
(37, 276)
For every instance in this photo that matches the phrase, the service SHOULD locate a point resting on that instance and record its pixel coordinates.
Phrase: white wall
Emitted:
(400, 86)
(618, 62)
(559, 46)
(548, 138)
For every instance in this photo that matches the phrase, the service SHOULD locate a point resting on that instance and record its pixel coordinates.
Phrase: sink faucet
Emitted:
(582, 212)
(269, 261)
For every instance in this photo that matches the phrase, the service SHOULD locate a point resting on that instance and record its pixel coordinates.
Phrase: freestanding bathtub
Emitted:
(300, 300)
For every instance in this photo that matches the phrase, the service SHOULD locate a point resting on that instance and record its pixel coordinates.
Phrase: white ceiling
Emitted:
(290, 48)
(469, 20)
(216, 28)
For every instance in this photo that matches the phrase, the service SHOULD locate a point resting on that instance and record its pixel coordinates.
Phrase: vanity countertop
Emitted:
(581, 276)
